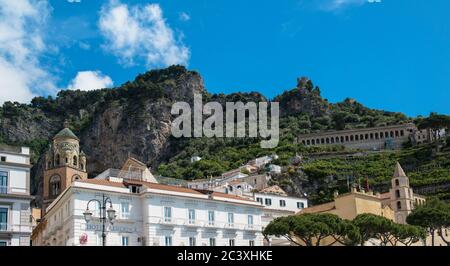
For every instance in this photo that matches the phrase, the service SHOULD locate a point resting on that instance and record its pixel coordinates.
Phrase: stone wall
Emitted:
(389, 137)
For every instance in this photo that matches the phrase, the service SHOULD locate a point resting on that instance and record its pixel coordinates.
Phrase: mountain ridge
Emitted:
(134, 119)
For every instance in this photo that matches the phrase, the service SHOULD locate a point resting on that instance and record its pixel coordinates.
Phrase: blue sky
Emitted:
(387, 54)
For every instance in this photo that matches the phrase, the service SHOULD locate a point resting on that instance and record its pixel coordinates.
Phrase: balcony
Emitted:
(192, 223)
(252, 227)
(230, 226)
(5, 190)
(14, 228)
(203, 224)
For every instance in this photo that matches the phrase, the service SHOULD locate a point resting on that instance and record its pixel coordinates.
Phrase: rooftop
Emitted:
(66, 133)
(165, 188)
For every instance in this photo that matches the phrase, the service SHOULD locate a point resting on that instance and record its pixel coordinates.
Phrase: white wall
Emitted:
(146, 215)
(291, 202)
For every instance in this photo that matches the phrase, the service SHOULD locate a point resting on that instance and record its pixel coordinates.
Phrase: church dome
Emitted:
(66, 133)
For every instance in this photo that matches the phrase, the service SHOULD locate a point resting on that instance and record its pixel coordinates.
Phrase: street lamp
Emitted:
(105, 214)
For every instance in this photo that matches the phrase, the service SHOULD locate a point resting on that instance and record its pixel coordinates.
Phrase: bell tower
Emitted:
(402, 196)
(64, 163)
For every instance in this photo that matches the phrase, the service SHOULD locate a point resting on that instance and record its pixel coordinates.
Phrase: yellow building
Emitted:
(350, 205)
(395, 205)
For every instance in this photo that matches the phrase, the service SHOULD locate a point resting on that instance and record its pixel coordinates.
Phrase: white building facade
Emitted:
(15, 213)
(277, 204)
(150, 214)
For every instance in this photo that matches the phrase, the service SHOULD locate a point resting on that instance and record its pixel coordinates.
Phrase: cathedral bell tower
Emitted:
(402, 196)
(64, 163)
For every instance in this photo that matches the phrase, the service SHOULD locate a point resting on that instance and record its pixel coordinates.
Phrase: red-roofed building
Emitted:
(148, 214)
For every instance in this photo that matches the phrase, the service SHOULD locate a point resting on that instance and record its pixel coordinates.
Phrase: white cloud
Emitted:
(332, 5)
(140, 33)
(21, 45)
(184, 16)
(90, 80)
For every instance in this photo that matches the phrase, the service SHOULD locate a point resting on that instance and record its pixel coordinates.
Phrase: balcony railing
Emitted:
(202, 223)
(6, 227)
(5, 190)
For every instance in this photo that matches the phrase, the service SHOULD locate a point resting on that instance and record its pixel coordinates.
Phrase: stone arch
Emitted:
(54, 186)
(76, 177)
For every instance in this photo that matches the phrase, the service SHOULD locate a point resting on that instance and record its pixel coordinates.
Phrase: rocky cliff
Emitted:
(134, 119)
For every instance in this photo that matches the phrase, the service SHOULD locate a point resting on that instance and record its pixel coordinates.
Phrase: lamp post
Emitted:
(105, 214)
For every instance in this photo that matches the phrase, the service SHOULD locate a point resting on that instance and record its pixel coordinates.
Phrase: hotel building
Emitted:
(15, 214)
(149, 214)
(276, 204)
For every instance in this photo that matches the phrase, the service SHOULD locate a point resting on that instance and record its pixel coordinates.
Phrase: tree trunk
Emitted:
(432, 237)
(442, 237)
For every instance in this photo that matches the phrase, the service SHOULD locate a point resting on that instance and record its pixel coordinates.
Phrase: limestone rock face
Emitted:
(112, 124)
(304, 99)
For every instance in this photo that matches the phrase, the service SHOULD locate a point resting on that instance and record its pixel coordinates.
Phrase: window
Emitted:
(300, 205)
(134, 189)
(3, 243)
(191, 216)
(3, 219)
(125, 241)
(192, 241)
(230, 218)
(397, 193)
(3, 182)
(260, 200)
(75, 161)
(167, 214)
(250, 220)
(397, 182)
(125, 210)
(58, 160)
(399, 205)
(211, 217)
(231, 242)
(3, 159)
(282, 203)
(212, 242)
(55, 186)
(268, 202)
(168, 241)
(251, 243)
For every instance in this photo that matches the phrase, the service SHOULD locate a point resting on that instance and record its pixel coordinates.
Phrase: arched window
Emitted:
(49, 165)
(76, 177)
(75, 161)
(397, 193)
(55, 186)
(58, 160)
(399, 205)
(67, 160)
(397, 182)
